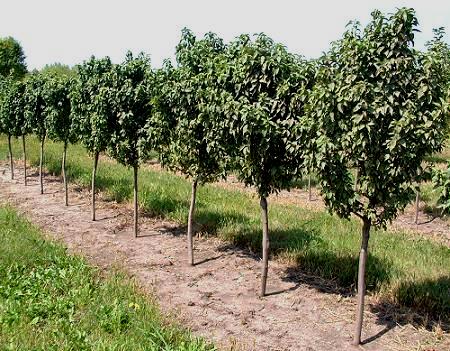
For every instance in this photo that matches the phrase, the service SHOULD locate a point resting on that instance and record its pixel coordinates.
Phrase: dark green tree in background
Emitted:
(59, 69)
(12, 59)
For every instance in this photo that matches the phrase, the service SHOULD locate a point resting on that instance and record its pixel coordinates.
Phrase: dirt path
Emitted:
(217, 298)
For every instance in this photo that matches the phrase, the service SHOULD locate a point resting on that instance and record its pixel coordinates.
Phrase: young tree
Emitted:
(5, 92)
(3, 87)
(34, 104)
(12, 116)
(131, 92)
(12, 59)
(180, 129)
(379, 109)
(12, 67)
(441, 184)
(94, 114)
(268, 88)
(59, 118)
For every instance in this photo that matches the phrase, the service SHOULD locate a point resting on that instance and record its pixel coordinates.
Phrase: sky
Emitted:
(70, 31)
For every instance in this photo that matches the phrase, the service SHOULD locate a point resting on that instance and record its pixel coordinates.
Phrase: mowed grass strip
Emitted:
(403, 268)
(50, 300)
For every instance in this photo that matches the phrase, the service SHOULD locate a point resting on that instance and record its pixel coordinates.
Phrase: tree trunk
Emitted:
(94, 172)
(416, 221)
(265, 245)
(190, 222)
(41, 161)
(135, 171)
(309, 188)
(63, 167)
(11, 161)
(24, 160)
(355, 186)
(362, 279)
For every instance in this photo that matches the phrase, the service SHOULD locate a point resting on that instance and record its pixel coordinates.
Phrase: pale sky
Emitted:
(70, 31)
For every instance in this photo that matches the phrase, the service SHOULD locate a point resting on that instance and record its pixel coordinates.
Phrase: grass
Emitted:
(50, 300)
(443, 157)
(403, 268)
(430, 196)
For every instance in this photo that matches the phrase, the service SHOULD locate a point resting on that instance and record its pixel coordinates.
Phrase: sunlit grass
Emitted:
(50, 300)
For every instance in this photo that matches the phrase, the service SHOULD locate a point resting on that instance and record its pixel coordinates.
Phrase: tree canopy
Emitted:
(58, 109)
(12, 59)
(93, 109)
(34, 102)
(130, 90)
(181, 127)
(268, 89)
(380, 109)
(12, 112)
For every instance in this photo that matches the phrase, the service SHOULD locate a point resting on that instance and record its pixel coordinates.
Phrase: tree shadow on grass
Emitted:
(207, 223)
(210, 222)
(245, 236)
(336, 274)
(156, 206)
(302, 183)
(424, 304)
(153, 203)
(316, 264)
(116, 189)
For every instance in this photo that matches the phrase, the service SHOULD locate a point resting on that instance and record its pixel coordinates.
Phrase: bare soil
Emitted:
(217, 298)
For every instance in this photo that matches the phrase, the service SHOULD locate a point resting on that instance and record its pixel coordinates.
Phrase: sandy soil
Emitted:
(217, 298)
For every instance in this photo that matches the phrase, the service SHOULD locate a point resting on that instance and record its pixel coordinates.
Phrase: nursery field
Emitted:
(403, 269)
(236, 159)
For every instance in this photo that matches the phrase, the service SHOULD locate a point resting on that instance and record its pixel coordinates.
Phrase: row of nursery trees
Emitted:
(363, 117)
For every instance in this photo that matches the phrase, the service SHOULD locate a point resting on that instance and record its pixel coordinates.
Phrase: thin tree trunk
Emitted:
(63, 167)
(362, 279)
(94, 172)
(135, 171)
(41, 161)
(265, 245)
(11, 161)
(309, 188)
(356, 180)
(24, 160)
(190, 222)
(416, 221)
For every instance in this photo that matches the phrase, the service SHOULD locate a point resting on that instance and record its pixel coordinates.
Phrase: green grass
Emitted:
(403, 268)
(50, 300)
(442, 157)
(430, 196)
